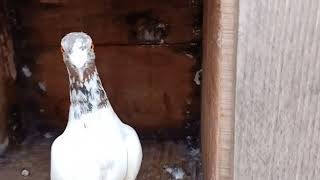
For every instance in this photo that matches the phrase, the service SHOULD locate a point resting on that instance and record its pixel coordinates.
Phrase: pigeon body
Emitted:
(96, 144)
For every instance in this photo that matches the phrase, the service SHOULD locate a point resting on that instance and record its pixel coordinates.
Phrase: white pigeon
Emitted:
(96, 144)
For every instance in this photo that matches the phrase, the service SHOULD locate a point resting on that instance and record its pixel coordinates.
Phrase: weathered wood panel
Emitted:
(149, 87)
(278, 90)
(220, 27)
(111, 21)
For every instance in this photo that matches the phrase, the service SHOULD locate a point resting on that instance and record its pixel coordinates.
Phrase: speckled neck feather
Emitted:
(86, 95)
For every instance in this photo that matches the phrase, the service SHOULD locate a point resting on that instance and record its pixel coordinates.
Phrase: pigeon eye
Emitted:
(62, 50)
(92, 46)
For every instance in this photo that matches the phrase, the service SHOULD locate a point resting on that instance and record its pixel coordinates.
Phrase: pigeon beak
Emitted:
(79, 58)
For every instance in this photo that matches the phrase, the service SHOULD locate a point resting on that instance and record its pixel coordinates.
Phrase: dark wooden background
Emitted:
(147, 55)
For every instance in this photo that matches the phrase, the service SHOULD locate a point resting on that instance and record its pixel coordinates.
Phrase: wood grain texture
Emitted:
(278, 91)
(220, 24)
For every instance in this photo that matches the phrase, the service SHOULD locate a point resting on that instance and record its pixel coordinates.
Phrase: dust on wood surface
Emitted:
(159, 158)
(278, 91)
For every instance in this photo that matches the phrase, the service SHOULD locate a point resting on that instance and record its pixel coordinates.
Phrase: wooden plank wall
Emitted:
(218, 90)
(278, 90)
(110, 21)
(145, 54)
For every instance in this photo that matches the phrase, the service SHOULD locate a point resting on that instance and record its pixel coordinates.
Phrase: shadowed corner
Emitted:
(4, 145)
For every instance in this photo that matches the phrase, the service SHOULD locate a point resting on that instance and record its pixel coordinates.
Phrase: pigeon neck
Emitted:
(86, 93)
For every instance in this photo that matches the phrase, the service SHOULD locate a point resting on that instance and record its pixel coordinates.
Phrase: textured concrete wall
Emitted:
(278, 90)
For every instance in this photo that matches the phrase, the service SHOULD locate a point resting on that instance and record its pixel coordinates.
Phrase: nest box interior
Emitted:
(148, 55)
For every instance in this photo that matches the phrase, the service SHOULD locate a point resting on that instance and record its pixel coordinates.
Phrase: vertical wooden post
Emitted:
(220, 24)
(7, 73)
(3, 110)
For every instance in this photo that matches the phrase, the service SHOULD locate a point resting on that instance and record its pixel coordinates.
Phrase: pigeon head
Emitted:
(78, 53)
(77, 49)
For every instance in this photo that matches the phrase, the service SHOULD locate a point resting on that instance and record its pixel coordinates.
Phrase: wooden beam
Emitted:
(111, 22)
(7, 73)
(220, 28)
